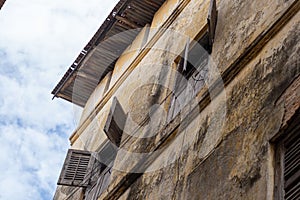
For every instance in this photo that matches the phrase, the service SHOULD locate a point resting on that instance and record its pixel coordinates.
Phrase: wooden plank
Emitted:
(292, 180)
(127, 22)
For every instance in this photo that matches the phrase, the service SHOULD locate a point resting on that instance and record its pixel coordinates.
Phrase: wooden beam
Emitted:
(127, 22)
(87, 76)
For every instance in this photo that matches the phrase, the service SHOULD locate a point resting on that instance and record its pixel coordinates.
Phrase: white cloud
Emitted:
(39, 39)
(31, 161)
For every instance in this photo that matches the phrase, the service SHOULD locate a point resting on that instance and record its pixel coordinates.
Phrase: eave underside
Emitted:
(1, 3)
(100, 54)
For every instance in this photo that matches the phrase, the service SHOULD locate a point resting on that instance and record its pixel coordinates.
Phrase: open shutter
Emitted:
(212, 21)
(76, 168)
(292, 166)
(115, 123)
(186, 54)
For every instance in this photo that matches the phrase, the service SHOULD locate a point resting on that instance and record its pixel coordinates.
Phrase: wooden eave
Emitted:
(101, 53)
(1, 3)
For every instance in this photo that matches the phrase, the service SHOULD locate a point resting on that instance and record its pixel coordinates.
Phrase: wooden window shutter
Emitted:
(186, 54)
(212, 22)
(76, 169)
(115, 122)
(287, 160)
(292, 166)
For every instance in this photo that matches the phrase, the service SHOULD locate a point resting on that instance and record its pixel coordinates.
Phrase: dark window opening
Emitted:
(115, 122)
(192, 69)
(89, 170)
(192, 65)
(101, 176)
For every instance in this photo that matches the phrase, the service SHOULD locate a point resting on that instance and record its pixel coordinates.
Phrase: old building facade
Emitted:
(187, 99)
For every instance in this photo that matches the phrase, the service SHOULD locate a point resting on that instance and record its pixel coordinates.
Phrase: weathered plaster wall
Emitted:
(65, 192)
(93, 135)
(240, 165)
(95, 97)
(135, 93)
(191, 20)
(224, 153)
(161, 15)
(148, 72)
(240, 24)
(129, 54)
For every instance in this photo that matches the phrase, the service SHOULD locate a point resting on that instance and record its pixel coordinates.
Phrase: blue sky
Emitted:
(39, 39)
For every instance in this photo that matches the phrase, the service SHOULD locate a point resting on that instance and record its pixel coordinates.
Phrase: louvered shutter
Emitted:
(76, 168)
(292, 166)
(115, 122)
(212, 21)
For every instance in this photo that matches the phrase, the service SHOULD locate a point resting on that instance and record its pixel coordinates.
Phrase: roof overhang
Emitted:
(1, 3)
(99, 56)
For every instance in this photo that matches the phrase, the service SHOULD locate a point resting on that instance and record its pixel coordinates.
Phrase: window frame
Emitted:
(185, 71)
(291, 133)
(206, 36)
(106, 169)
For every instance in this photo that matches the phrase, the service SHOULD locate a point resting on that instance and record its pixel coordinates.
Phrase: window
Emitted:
(192, 68)
(101, 175)
(89, 170)
(192, 65)
(287, 172)
(92, 170)
(115, 122)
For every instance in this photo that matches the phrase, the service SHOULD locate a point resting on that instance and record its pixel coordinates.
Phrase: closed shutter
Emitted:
(115, 122)
(292, 166)
(76, 168)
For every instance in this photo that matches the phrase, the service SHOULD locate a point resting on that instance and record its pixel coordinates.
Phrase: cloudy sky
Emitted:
(39, 39)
